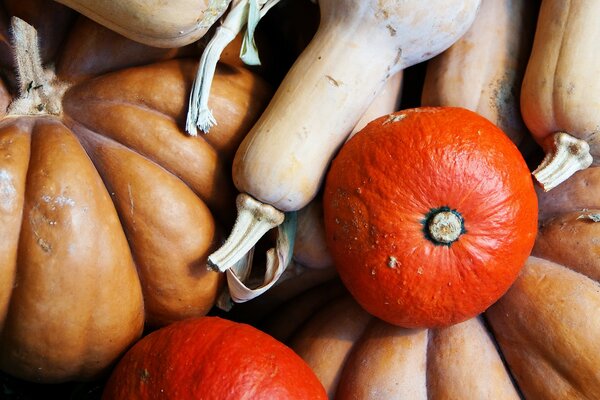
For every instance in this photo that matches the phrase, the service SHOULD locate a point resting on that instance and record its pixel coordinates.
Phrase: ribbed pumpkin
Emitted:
(430, 214)
(547, 324)
(109, 210)
(357, 356)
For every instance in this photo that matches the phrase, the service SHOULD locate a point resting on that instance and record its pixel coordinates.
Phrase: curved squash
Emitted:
(558, 100)
(156, 23)
(487, 78)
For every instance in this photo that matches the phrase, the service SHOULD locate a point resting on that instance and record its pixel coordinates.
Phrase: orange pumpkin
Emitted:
(109, 210)
(547, 324)
(430, 214)
(212, 358)
(358, 356)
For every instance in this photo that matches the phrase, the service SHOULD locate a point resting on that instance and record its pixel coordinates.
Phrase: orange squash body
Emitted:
(212, 358)
(390, 177)
(108, 211)
(547, 324)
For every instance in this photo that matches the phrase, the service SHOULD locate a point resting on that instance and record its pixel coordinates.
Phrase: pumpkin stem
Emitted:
(39, 92)
(444, 226)
(254, 219)
(243, 13)
(566, 156)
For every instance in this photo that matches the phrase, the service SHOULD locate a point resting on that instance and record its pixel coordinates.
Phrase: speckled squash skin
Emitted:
(382, 191)
(212, 358)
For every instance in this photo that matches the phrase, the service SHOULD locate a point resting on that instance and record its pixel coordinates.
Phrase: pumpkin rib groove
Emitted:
(509, 371)
(190, 177)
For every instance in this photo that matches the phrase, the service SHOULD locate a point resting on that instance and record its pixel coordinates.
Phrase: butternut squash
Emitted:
(154, 22)
(359, 44)
(487, 78)
(561, 90)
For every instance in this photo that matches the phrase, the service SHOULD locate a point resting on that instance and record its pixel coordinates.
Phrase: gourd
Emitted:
(558, 100)
(212, 358)
(100, 191)
(487, 78)
(155, 23)
(358, 356)
(430, 214)
(312, 264)
(280, 165)
(546, 324)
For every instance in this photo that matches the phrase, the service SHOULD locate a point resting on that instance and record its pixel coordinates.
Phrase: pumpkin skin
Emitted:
(388, 183)
(546, 324)
(211, 358)
(109, 211)
(358, 356)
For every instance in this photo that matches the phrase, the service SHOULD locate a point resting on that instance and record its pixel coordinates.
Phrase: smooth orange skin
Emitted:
(212, 358)
(389, 176)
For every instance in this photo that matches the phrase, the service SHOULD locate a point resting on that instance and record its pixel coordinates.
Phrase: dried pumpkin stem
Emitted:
(444, 226)
(567, 155)
(254, 219)
(39, 92)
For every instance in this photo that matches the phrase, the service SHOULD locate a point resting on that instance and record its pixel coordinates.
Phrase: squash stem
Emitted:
(39, 92)
(243, 13)
(253, 221)
(567, 155)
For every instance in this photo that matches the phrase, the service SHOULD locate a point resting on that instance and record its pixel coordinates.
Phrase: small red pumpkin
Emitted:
(430, 214)
(212, 358)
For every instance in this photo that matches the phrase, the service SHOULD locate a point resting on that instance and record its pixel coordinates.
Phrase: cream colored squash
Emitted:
(484, 69)
(154, 22)
(280, 165)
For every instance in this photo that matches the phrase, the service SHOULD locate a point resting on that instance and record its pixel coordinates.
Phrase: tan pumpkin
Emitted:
(357, 356)
(547, 324)
(109, 210)
(487, 78)
(560, 90)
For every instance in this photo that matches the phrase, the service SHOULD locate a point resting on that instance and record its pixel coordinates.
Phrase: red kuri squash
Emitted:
(430, 214)
(212, 358)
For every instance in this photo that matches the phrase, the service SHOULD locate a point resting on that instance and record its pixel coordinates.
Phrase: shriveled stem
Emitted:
(567, 155)
(39, 93)
(243, 13)
(254, 219)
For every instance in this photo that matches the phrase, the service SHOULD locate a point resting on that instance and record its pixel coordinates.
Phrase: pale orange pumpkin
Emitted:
(109, 210)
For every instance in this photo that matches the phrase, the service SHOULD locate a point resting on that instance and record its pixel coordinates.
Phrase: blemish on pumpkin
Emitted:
(392, 262)
(45, 246)
(144, 375)
(420, 271)
(8, 192)
(394, 118)
(594, 217)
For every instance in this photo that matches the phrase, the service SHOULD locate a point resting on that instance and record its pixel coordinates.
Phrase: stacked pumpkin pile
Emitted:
(128, 128)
